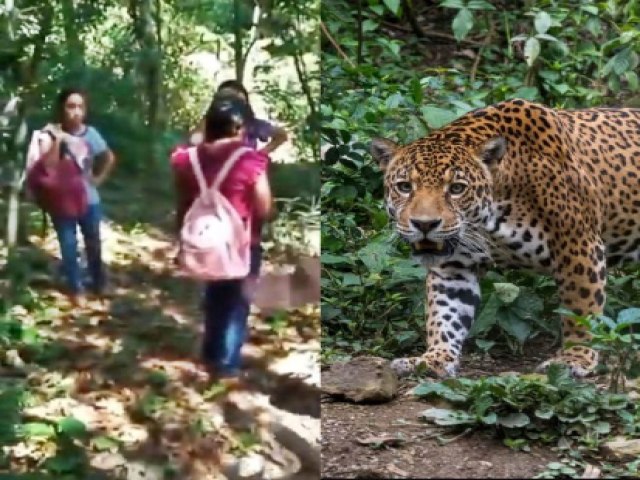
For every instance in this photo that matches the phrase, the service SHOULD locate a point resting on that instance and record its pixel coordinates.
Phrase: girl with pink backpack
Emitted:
(222, 166)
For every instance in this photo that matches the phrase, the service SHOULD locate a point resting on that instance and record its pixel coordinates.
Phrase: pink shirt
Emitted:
(237, 187)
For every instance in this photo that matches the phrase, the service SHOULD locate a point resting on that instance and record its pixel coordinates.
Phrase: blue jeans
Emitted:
(66, 228)
(226, 311)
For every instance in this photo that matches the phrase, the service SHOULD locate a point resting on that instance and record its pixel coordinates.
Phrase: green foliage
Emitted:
(553, 409)
(618, 340)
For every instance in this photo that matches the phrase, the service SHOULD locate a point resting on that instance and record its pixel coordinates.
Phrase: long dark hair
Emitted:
(61, 99)
(229, 90)
(224, 118)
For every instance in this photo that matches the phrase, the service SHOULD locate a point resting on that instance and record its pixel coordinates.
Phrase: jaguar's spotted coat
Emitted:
(516, 184)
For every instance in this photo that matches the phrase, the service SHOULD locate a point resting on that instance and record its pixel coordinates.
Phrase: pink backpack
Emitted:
(214, 242)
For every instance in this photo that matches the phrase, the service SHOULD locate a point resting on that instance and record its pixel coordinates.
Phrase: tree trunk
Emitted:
(146, 28)
(29, 74)
(75, 47)
(238, 36)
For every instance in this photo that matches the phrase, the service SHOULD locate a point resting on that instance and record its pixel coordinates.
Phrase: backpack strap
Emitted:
(197, 170)
(224, 171)
(227, 166)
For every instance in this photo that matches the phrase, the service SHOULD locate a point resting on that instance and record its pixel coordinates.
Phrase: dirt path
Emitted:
(352, 434)
(128, 370)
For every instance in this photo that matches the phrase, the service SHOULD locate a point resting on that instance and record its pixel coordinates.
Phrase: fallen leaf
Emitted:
(381, 441)
(396, 471)
(591, 472)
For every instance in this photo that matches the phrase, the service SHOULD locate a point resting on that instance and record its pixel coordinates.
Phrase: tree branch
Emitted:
(335, 44)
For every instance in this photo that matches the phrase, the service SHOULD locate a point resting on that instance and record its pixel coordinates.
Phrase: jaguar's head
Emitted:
(439, 194)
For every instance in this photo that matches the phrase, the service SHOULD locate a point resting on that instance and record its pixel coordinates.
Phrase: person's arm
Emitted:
(263, 200)
(278, 137)
(108, 161)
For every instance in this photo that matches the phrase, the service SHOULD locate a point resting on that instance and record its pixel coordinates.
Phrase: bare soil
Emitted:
(352, 434)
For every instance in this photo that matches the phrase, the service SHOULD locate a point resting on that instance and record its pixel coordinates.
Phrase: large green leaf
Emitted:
(542, 22)
(72, 427)
(393, 5)
(443, 416)
(515, 326)
(514, 420)
(531, 50)
(487, 317)
(462, 24)
(438, 117)
(506, 292)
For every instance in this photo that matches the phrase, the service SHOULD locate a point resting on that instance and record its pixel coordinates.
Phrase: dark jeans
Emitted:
(66, 228)
(226, 311)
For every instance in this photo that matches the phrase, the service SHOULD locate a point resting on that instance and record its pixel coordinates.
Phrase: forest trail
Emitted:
(126, 371)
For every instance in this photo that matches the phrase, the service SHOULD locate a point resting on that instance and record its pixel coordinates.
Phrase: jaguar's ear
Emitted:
(492, 151)
(382, 150)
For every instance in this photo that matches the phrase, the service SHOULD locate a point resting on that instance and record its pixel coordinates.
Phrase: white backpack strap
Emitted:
(227, 166)
(197, 170)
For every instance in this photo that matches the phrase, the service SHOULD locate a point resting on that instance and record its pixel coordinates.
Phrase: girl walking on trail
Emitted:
(246, 187)
(257, 129)
(70, 137)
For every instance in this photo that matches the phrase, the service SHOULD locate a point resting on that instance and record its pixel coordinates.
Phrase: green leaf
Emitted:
(484, 345)
(369, 25)
(629, 316)
(528, 93)
(546, 36)
(545, 412)
(393, 5)
(462, 24)
(602, 427)
(72, 427)
(487, 318)
(103, 443)
(437, 117)
(480, 5)
(632, 80)
(542, 22)
(592, 9)
(531, 50)
(438, 389)
(38, 430)
(375, 256)
(443, 416)
(349, 279)
(65, 462)
(393, 101)
(561, 88)
(506, 292)
(417, 93)
(329, 259)
(619, 63)
(514, 420)
(452, 4)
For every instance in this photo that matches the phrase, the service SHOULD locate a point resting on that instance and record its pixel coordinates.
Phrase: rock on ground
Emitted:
(362, 379)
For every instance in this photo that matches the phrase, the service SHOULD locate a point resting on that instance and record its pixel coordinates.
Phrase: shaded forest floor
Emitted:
(474, 455)
(115, 389)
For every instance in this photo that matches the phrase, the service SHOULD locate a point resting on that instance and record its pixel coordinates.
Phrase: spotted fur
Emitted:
(516, 184)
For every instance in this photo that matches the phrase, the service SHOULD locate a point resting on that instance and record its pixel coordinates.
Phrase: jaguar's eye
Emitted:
(404, 187)
(457, 188)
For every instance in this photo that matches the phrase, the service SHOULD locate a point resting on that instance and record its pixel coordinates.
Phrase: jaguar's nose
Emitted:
(425, 226)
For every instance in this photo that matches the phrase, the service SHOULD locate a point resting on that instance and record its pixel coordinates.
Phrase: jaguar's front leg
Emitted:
(453, 295)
